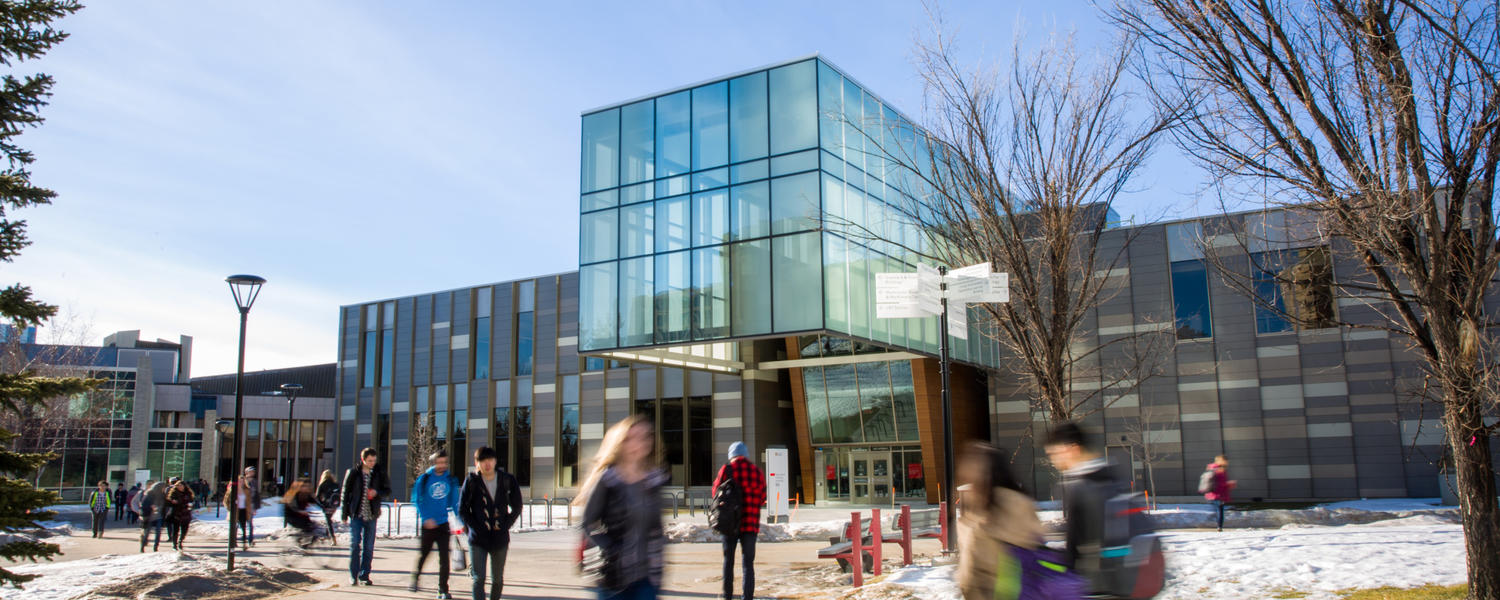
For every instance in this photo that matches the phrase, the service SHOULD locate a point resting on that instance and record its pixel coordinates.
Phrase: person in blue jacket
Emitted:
(434, 494)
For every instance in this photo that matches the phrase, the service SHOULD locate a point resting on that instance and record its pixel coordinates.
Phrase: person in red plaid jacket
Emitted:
(752, 484)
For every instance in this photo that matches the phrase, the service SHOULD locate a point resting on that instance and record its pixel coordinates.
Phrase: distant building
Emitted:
(300, 450)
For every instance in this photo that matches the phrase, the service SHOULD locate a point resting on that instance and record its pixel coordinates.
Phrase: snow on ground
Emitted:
(72, 579)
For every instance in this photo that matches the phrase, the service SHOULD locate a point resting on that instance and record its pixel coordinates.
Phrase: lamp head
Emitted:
(225, 426)
(245, 289)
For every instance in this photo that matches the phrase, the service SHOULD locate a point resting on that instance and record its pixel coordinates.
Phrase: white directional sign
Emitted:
(920, 294)
(896, 296)
(958, 321)
(929, 289)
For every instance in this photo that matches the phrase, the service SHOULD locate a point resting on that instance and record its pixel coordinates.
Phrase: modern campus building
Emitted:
(145, 420)
(283, 438)
(729, 236)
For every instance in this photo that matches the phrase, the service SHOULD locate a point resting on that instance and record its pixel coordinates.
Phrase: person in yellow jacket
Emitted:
(100, 501)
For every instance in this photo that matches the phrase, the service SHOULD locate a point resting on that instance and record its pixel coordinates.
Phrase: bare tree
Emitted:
(420, 444)
(45, 427)
(1380, 121)
(1020, 169)
(1145, 435)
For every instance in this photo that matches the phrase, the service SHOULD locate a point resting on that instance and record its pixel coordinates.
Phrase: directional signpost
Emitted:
(927, 293)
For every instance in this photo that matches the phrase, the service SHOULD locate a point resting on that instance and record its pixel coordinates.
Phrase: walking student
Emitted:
(622, 511)
(364, 488)
(119, 499)
(435, 493)
(133, 505)
(752, 487)
(328, 497)
(1087, 483)
(1218, 485)
(242, 498)
(489, 504)
(153, 508)
(179, 512)
(997, 529)
(100, 501)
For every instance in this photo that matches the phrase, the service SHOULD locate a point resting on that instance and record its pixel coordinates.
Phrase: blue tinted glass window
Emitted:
(797, 263)
(387, 356)
(710, 293)
(481, 363)
(637, 298)
(794, 107)
(710, 218)
(711, 126)
(817, 405)
(751, 294)
(903, 396)
(831, 110)
(598, 200)
(637, 230)
(854, 118)
(794, 203)
(672, 224)
(525, 342)
(1190, 300)
(673, 134)
(750, 211)
(370, 356)
(601, 147)
(597, 236)
(843, 404)
(875, 402)
(1269, 319)
(749, 171)
(748, 125)
(673, 302)
(597, 306)
(637, 142)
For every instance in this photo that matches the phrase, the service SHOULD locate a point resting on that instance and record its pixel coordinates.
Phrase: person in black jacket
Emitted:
(622, 511)
(489, 503)
(328, 497)
(1087, 483)
(364, 489)
(119, 501)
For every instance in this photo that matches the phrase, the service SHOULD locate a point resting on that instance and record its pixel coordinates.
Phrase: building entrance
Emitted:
(871, 481)
(869, 475)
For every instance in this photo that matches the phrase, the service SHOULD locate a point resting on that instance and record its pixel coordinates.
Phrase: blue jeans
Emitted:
(146, 526)
(1219, 504)
(492, 561)
(361, 547)
(746, 541)
(640, 590)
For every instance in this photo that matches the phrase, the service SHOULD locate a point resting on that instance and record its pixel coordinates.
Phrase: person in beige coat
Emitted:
(997, 513)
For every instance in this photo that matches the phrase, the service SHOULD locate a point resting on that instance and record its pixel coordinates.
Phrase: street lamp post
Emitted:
(290, 390)
(245, 289)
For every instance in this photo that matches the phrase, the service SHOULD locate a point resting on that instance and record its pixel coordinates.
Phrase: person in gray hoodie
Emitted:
(153, 507)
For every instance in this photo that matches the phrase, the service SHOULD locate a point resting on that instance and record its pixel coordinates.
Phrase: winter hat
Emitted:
(738, 449)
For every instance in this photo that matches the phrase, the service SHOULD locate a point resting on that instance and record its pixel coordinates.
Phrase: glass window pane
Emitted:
(710, 218)
(817, 405)
(672, 299)
(673, 134)
(749, 171)
(708, 180)
(794, 163)
(710, 293)
(1190, 300)
(748, 126)
(797, 264)
(854, 116)
(597, 236)
(371, 358)
(526, 296)
(598, 200)
(750, 208)
(836, 282)
(637, 142)
(601, 143)
(1269, 319)
(640, 192)
(831, 110)
(672, 224)
(481, 362)
(875, 402)
(387, 356)
(794, 107)
(843, 404)
(904, 397)
(794, 203)
(525, 342)
(637, 230)
(637, 300)
(751, 299)
(711, 125)
(597, 306)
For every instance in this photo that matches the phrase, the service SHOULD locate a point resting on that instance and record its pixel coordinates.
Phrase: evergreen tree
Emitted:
(25, 33)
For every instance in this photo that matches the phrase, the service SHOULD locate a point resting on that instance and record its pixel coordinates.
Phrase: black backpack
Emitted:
(726, 510)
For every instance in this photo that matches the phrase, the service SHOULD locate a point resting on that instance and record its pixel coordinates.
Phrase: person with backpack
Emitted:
(489, 505)
(1001, 556)
(179, 511)
(621, 501)
(1215, 485)
(100, 501)
(328, 498)
(153, 510)
(133, 505)
(365, 486)
(739, 493)
(434, 494)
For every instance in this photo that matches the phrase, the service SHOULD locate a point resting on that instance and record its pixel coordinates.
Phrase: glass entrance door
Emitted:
(870, 481)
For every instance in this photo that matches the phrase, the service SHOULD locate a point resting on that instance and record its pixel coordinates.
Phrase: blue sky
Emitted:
(350, 151)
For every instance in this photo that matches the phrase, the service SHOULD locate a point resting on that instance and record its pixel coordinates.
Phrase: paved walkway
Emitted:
(540, 564)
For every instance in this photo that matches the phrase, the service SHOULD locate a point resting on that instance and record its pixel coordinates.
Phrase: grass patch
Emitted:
(1426, 592)
(1288, 593)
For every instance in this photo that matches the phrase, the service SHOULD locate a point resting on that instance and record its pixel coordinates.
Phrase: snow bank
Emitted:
(1204, 516)
(72, 579)
(698, 531)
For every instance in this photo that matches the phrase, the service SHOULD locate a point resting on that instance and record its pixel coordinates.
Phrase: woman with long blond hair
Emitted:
(621, 500)
(328, 497)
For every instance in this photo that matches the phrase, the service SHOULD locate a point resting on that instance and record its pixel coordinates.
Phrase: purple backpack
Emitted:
(1045, 575)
